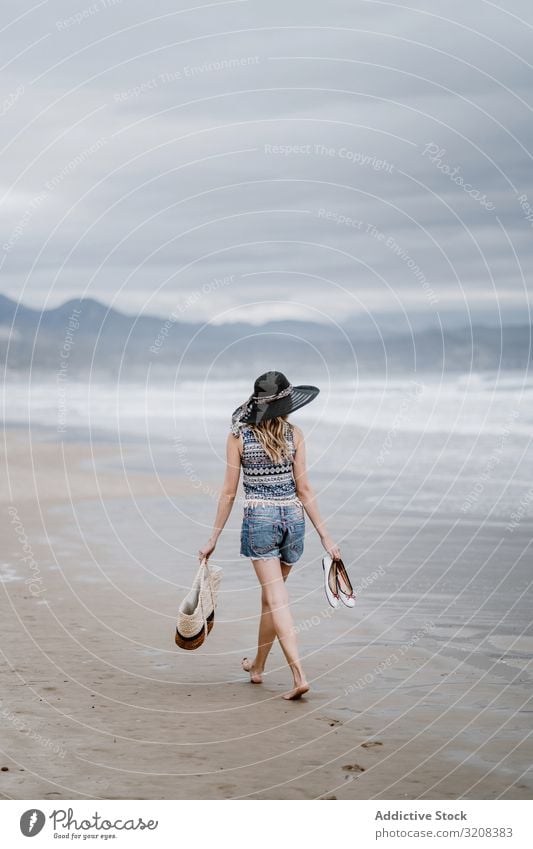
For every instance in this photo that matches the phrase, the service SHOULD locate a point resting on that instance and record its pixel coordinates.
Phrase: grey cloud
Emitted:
(112, 201)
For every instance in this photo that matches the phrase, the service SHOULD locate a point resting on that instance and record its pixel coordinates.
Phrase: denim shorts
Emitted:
(273, 530)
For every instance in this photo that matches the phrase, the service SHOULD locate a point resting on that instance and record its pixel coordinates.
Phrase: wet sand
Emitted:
(415, 693)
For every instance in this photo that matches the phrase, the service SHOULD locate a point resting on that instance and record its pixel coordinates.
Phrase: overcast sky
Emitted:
(259, 160)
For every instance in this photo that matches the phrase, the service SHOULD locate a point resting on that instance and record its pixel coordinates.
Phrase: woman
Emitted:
(271, 451)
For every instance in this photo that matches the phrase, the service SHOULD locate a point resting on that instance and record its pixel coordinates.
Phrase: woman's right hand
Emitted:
(332, 549)
(206, 550)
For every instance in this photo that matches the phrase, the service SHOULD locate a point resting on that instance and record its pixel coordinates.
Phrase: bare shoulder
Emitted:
(298, 435)
(234, 443)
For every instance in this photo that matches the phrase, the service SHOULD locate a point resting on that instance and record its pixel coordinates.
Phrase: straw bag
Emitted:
(196, 615)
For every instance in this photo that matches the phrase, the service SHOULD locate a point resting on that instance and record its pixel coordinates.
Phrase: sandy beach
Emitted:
(319, 211)
(415, 694)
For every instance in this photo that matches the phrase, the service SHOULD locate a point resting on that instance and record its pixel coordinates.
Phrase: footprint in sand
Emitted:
(370, 744)
(330, 721)
(227, 788)
(353, 768)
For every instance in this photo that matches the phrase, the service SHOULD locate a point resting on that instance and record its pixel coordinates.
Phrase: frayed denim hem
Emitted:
(257, 557)
(253, 557)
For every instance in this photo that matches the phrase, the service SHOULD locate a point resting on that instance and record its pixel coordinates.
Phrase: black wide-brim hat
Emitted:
(273, 396)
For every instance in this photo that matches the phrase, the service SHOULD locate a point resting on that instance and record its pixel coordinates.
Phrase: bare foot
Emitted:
(298, 691)
(255, 677)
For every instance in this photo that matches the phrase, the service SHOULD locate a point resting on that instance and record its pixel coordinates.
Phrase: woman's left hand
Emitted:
(207, 550)
(332, 549)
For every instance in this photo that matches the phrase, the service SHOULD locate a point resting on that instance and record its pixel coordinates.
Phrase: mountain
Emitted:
(84, 335)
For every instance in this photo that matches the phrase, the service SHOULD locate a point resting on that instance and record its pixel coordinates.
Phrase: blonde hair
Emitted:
(271, 433)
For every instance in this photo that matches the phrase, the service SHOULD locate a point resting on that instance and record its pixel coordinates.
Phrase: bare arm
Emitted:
(227, 494)
(307, 495)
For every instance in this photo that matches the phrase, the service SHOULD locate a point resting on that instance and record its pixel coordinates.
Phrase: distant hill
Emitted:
(83, 335)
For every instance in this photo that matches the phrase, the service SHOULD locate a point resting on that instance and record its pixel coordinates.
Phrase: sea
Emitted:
(445, 444)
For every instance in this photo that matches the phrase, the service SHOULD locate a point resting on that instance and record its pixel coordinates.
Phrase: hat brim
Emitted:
(299, 397)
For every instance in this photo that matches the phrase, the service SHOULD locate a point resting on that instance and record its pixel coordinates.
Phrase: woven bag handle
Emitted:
(206, 575)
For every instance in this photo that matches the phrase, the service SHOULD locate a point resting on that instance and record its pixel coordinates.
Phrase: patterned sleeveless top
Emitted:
(264, 480)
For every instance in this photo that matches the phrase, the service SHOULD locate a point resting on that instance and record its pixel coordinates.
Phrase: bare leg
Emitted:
(267, 635)
(276, 601)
